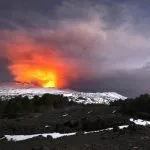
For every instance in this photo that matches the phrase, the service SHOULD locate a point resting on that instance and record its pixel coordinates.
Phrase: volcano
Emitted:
(12, 89)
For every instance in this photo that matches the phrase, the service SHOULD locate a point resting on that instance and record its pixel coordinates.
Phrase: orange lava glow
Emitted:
(38, 76)
(38, 64)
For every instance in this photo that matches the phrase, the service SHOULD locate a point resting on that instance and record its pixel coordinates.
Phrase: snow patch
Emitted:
(25, 137)
(53, 135)
(140, 122)
(65, 115)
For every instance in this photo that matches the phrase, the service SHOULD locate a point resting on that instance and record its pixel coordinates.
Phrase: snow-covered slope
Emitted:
(97, 98)
(11, 90)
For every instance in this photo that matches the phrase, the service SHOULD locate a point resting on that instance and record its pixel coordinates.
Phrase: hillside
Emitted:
(10, 90)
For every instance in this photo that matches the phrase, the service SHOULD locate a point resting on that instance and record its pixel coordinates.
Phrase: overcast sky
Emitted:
(106, 42)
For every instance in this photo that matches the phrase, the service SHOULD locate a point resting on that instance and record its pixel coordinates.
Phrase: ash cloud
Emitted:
(106, 45)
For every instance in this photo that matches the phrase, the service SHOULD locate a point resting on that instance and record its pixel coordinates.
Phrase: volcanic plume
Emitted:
(52, 57)
(38, 64)
(81, 45)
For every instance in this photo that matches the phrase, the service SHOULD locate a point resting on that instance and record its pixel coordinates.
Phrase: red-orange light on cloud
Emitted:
(38, 76)
(38, 64)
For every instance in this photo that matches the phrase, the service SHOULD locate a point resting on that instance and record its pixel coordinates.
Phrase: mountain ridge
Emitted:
(14, 89)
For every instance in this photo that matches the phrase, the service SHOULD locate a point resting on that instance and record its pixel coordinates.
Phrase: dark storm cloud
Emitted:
(34, 5)
(109, 39)
(129, 84)
(4, 73)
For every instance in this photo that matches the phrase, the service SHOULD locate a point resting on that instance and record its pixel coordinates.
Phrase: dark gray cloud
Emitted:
(4, 73)
(108, 42)
(129, 84)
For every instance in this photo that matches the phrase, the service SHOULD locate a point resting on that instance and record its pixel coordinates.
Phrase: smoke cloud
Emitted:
(83, 45)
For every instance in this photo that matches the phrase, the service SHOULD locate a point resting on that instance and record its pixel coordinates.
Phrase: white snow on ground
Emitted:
(25, 137)
(96, 98)
(58, 135)
(140, 122)
(53, 135)
(11, 90)
(124, 126)
(65, 115)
